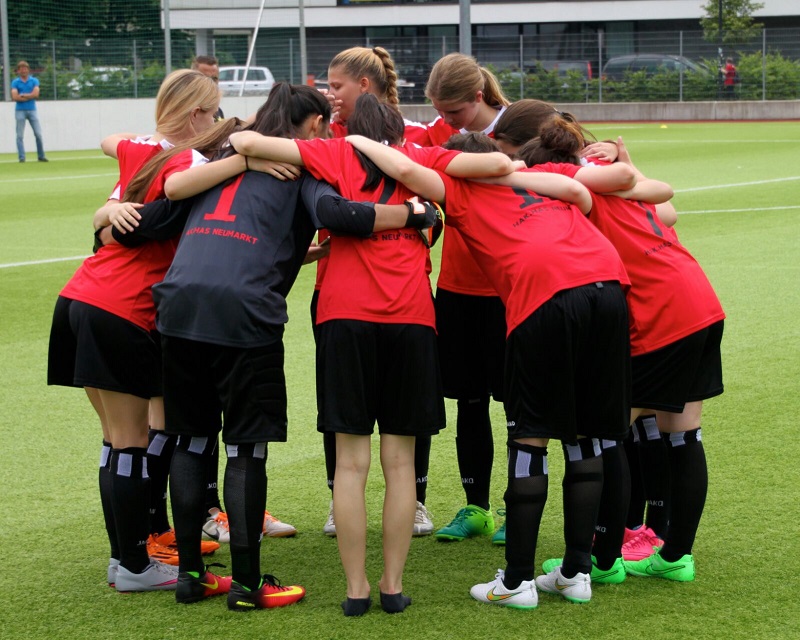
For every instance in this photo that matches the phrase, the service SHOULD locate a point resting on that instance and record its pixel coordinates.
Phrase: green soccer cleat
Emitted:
(469, 522)
(499, 537)
(656, 567)
(614, 575)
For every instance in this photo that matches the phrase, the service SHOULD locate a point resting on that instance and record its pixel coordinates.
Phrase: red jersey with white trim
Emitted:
(670, 296)
(433, 134)
(530, 247)
(380, 279)
(119, 279)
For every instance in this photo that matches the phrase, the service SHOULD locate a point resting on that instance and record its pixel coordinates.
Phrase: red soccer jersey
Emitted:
(529, 247)
(119, 279)
(433, 134)
(378, 279)
(670, 296)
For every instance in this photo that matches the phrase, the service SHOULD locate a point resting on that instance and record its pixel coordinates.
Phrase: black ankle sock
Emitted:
(357, 606)
(394, 602)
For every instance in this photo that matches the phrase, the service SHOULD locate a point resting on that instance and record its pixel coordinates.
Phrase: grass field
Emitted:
(738, 188)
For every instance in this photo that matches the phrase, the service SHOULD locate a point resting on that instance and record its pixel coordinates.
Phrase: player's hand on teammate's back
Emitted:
(280, 170)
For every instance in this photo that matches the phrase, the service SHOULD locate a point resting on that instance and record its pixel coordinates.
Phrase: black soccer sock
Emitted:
(105, 498)
(188, 480)
(638, 499)
(212, 485)
(525, 498)
(422, 458)
(610, 528)
(689, 485)
(159, 458)
(475, 449)
(329, 444)
(245, 493)
(583, 486)
(655, 474)
(130, 497)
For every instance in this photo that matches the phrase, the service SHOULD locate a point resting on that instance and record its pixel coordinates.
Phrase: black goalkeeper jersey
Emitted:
(240, 251)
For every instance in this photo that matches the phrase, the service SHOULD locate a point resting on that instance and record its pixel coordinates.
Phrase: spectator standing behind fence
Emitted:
(25, 91)
(209, 66)
(729, 78)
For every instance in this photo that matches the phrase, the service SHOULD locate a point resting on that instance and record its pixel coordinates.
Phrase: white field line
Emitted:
(720, 186)
(51, 178)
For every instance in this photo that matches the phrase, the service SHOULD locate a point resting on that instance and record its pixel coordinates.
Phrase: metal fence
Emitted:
(563, 68)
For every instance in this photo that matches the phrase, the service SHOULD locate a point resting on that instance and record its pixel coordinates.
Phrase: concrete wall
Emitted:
(81, 124)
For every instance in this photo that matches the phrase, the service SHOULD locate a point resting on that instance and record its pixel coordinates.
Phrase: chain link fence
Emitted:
(602, 67)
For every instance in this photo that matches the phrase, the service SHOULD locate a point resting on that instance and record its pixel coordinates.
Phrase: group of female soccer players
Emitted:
(563, 291)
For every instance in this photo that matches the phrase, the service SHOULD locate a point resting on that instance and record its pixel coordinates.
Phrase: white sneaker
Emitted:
(495, 592)
(330, 526)
(156, 576)
(423, 525)
(274, 528)
(113, 565)
(577, 589)
(217, 527)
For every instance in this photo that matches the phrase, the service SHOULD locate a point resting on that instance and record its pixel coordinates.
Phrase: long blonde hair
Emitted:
(375, 64)
(458, 78)
(181, 92)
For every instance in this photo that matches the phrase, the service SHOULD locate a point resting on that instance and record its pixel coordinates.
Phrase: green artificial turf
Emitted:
(738, 188)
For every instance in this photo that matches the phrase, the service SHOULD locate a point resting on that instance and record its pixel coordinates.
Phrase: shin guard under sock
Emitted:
(188, 480)
(422, 458)
(159, 458)
(245, 493)
(475, 449)
(583, 486)
(525, 498)
(655, 474)
(130, 497)
(610, 528)
(104, 478)
(689, 485)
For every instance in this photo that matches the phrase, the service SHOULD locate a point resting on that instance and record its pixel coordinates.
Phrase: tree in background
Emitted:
(82, 19)
(738, 24)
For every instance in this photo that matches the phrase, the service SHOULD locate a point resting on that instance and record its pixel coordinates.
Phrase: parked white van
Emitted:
(259, 81)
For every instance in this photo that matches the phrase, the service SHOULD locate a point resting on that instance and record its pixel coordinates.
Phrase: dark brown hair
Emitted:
(377, 121)
(560, 140)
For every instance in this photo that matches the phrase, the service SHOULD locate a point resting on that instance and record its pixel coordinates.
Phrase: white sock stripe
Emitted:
(608, 444)
(598, 449)
(260, 451)
(157, 445)
(232, 450)
(573, 452)
(198, 444)
(651, 428)
(676, 439)
(145, 475)
(124, 464)
(105, 453)
(522, 468)
(635, 433)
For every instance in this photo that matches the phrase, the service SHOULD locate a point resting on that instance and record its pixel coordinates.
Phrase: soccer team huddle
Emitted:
(564, 292)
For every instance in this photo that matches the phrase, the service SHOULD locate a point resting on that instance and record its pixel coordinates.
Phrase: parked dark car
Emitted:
(651, 63)
(563, 67)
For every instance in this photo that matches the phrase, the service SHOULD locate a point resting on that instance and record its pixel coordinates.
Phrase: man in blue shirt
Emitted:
(24, 91)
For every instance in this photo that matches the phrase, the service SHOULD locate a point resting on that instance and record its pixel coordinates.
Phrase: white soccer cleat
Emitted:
(156, 576)
(217, 527)
(423, 525)
(577, 589)
(274, 528)
(495, 592)
(329, 529)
